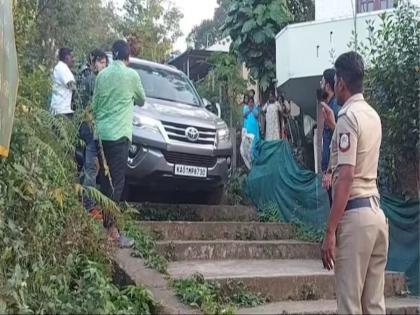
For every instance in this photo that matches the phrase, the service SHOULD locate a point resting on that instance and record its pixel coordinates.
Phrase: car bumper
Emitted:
(149, 166)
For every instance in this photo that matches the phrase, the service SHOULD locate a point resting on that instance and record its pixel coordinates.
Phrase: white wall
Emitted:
(336, 9)
(333, 9)
(307, 49)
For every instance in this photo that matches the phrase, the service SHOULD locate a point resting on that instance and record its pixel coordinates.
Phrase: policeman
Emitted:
(356, 240)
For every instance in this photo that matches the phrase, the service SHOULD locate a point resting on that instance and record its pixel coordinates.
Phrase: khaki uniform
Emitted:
(362, 234)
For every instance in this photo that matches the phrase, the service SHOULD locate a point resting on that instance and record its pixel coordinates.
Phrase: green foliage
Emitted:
(43, 26)
(270, 213)
(393, 88)
(253, 25)
(53, 256)
(207, 33)
(224, 84)
(215, 298)
(93, 292)
(304, 232)
(234, 191)
(145, 247)
(151, 27)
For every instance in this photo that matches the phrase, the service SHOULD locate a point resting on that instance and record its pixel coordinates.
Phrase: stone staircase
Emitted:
(225, 243)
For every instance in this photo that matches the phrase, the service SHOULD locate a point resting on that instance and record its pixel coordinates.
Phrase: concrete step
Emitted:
(279, 280)
(218, 230)
(213, 250)
(395, 305)
(168, 212)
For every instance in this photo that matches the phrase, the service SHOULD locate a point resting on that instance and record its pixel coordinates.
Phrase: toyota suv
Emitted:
(178, 143)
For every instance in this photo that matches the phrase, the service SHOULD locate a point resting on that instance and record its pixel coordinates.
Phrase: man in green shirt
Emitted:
(117, 89)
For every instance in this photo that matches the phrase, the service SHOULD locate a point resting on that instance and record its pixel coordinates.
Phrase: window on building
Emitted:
(373, 5)
(387, 4)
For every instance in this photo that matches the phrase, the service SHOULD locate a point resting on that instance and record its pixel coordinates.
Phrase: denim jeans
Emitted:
(90, 163)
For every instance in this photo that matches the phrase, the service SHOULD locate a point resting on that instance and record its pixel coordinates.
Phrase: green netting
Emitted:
(276, 180)
(404, 245)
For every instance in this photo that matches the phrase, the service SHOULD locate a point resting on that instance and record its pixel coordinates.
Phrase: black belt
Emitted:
(358, 203)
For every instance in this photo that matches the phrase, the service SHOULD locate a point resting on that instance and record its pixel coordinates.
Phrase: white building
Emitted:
(305, 50)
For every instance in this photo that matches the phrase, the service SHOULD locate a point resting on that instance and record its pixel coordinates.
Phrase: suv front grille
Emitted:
(190, 159)
(178, 132)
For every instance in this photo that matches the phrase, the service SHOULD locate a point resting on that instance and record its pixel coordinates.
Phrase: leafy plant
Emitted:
(151, 28)
(225, 84)
(253, 25)
(305, 232)
(302, 231)
(145, 247)
(270, 213)
(53, 256)
(393, 88)
(215, 298)
(234, 191)
(208, 33)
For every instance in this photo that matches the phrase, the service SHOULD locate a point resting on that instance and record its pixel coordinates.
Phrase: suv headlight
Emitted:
(223, 135)
(144, 122)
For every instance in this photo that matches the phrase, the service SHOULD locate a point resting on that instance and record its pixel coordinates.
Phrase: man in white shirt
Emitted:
(64, 84)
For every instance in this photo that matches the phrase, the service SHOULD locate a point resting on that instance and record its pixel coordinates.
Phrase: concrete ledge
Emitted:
(167, 230)
(211, 250)
(134, 272)
(279, 280)
(393, 306)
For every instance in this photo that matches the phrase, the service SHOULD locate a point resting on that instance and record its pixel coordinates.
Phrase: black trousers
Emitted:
(112, 184)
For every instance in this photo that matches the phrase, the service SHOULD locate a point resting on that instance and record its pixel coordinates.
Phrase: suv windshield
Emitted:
(166, 85)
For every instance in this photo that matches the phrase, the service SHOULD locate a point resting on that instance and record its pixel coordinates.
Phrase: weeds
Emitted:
(53, 258)
(234, 190)
(145, 247)
(215, 298)
(302, 231)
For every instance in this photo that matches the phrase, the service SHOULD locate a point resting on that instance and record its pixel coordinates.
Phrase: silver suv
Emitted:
(178, 144)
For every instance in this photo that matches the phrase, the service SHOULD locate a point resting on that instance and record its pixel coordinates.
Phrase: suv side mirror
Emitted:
(214, 108)
(219, 110)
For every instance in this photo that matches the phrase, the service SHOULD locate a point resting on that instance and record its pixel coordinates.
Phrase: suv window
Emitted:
(166, 85)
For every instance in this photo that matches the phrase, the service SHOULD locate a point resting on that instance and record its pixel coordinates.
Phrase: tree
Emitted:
(203, 35)
(253, 25)
(225, 84)
(43, 26)
(151, 28)
(392, 86)
(208, 32)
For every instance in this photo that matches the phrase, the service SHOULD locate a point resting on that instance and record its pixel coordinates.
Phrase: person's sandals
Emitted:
(118, 239)
(96, 214)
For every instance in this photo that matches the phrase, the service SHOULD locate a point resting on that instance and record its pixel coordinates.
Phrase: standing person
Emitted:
(356, 241)
(251, 114)
(117, 89)
(327, 87)
(261, 118)
(97, 61)
(272, 112)
(64, 84)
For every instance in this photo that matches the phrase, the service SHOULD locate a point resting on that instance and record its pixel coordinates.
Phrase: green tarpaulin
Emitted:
(8, 75)
(277, 180)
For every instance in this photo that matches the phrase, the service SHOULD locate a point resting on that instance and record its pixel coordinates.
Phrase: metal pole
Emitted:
(188, 67)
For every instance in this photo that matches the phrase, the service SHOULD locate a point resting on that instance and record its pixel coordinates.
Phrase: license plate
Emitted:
(190, 171)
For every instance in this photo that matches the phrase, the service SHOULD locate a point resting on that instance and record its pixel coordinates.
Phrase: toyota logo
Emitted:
(192, 134)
